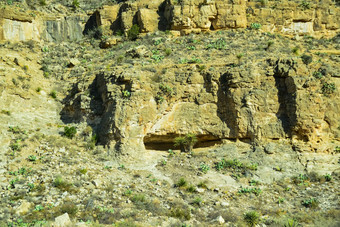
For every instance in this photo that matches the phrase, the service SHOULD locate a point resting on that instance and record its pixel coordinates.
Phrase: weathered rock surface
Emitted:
(259, 102)
(187, 16)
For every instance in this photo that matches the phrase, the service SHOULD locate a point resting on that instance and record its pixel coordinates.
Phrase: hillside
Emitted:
(94, 96)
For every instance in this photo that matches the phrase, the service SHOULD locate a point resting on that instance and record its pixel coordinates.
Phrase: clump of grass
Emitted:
(186, 143)
(191, 189)
(181, 182)
(197, 201)
(252, 218)
(53, 94)
(60, 183)
(180, 212)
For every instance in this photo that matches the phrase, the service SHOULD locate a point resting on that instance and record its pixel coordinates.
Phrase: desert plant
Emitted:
(6, 112)
(307, 59)
(53, 94)
(75, 4)
(337, 148)
(256, 191)
(197, 201)
(126, 93)
(186, 143)
(42, 2)
(310, 203)
(133, 32)
(291, 223)
(252, 218)
(168, 51)
(70, 132)
(255, 26)
(32, 158)
(181, 182)
(317, 75)
(204, 168)
(328, 88)
(305, 5)
(295, 50)
(328, 177)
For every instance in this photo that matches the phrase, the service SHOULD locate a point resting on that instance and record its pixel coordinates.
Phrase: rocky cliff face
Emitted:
(252, 98)
(320, 18)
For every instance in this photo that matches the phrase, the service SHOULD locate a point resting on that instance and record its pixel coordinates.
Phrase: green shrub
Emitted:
(295, 50)
(126, 93)
(32, 158)
(179, 212)
(133, 32)
(328, 177)
(186, 143)
(6, 112)
(168, 51)
(42, 2)
(256, 191)
(255, 26)
(204, 168)
(305, 5)
(291, 223)
(328, 88)
(307, 59)
(317, 75)
(252, 218)
(219, 44)
(70, 132)
(181, 182)
(53, 94)
(310, 203)
(75, 4)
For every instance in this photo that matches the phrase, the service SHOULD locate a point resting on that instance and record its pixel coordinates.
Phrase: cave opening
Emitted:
(166, 142)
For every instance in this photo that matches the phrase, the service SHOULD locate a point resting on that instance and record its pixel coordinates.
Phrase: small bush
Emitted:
(252, 218)
(133, 32)
(255, 26)
(307, 59)
(75, 4)
(32, 158)
(53, 94)
(6, 112)
(204, 168)
(310, 203)
(182, 213)
(70, 132)
(305, 5)
(42, 2)
(328, 88)
(186, 143)
(181, 182)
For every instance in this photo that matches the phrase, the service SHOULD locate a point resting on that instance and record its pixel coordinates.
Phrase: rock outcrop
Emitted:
(186, 16)
(271, 100)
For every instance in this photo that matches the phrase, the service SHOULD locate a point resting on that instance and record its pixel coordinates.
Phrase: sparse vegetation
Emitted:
(53, 94)
(133, 32)
(185, 143)
(328, 88)
(70, 132)
(255, 26)
(252, 218)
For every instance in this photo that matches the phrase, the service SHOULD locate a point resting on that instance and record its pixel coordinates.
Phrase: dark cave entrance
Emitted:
(166, 142)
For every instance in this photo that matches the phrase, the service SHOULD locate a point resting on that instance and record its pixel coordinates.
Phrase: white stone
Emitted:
(62, 220)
